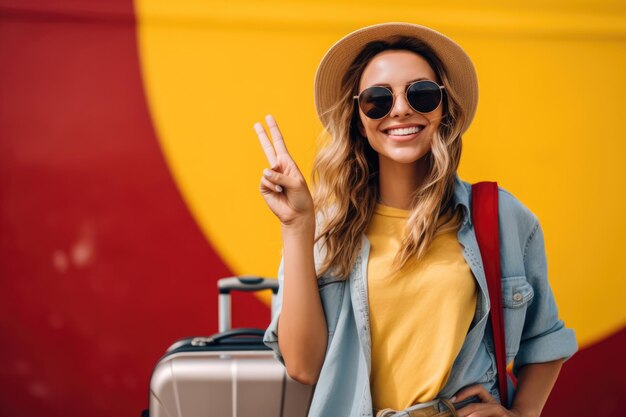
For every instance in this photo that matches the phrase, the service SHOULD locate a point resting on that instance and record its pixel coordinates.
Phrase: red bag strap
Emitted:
(485, 219)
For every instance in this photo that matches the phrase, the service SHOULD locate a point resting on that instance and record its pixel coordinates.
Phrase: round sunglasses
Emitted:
(423, 96)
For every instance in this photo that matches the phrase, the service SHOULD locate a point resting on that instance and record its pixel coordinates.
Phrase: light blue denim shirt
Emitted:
(533, 331)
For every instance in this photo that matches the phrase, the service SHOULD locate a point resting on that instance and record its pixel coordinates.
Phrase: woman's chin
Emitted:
(405, 156)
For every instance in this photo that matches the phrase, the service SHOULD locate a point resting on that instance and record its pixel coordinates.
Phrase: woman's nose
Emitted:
(401, 106)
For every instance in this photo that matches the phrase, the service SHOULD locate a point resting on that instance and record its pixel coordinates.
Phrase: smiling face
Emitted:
(403, 136)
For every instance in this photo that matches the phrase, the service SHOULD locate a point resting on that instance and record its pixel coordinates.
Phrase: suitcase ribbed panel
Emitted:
(257, 386)
(237, 384)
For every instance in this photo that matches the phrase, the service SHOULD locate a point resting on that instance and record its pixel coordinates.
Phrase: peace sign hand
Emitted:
(283, 187)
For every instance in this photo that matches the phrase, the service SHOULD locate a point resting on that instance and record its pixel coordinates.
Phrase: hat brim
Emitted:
(457, 64)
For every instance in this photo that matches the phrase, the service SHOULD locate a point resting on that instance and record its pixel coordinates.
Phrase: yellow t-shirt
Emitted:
(419, 317)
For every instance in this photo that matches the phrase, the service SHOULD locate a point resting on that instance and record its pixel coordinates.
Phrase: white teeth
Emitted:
(404, 131)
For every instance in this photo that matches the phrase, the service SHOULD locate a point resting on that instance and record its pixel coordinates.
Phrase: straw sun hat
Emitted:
(458, 66)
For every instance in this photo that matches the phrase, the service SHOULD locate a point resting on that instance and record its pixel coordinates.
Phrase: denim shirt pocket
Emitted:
(517, 294)
(331, 294)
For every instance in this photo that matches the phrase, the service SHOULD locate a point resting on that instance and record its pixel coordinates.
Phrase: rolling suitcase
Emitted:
(231, 373)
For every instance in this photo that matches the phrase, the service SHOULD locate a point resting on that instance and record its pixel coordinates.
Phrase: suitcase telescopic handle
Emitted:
(246, 283)
(241, 283)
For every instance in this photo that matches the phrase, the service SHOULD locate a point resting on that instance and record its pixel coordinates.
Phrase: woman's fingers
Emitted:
(488, 407)
(277, 137)
(281, 179)
(268, 187)
(268, 149)
(478, 390)
(274, 148)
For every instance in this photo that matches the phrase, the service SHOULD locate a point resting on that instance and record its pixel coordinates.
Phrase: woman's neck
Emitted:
(397, 182)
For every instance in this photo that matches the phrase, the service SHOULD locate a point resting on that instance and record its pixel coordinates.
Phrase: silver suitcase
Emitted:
(231, 373)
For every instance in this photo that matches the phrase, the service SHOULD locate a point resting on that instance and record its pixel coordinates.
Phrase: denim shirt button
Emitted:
(517, 296)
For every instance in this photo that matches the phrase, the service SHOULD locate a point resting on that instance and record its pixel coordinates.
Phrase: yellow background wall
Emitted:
(549, 126)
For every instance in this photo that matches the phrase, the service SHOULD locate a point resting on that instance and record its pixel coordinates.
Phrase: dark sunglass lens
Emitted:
(375, 102)
(424, 96)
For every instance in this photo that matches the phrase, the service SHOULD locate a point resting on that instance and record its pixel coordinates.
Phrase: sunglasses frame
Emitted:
(393, 102)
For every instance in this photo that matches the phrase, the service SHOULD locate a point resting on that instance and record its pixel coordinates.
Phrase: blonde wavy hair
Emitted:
(345, 172)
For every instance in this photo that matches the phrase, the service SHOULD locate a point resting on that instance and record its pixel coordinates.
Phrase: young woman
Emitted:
(383, 300)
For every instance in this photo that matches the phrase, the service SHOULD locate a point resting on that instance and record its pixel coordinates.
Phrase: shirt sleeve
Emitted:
(544, 336)
(270, 338)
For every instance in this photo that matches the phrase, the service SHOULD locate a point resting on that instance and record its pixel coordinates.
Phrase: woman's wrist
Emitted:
(299, 228)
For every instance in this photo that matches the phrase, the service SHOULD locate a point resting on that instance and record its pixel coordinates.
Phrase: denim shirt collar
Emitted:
(462, 197)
